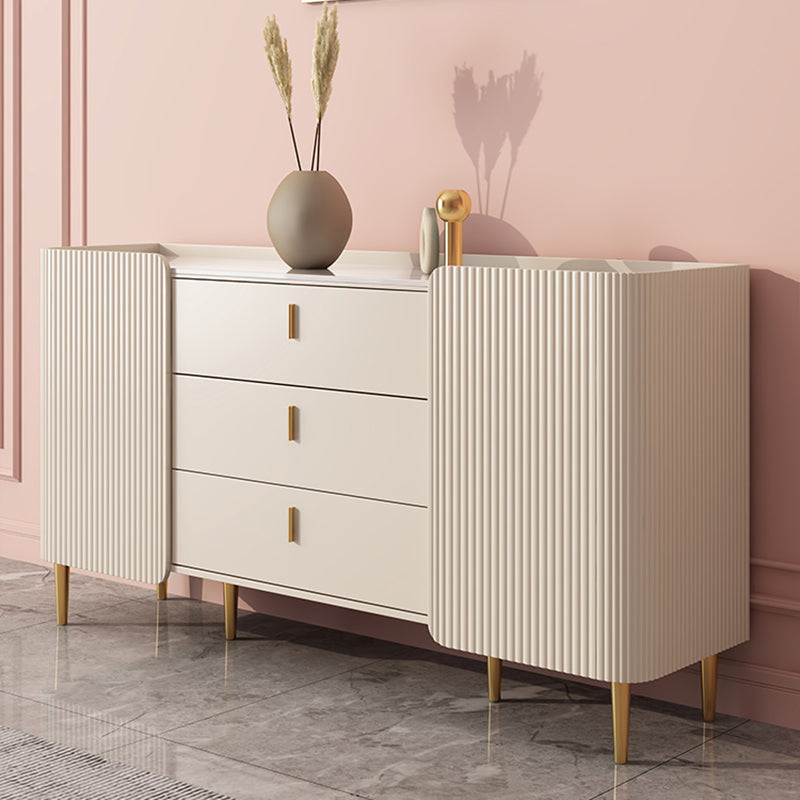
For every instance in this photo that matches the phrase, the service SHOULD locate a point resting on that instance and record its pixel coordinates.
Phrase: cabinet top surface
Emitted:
(354, 268)
(377, 269)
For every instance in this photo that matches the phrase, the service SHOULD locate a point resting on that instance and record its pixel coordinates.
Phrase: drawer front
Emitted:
(366, 445)
(366, 340)
(343, 546)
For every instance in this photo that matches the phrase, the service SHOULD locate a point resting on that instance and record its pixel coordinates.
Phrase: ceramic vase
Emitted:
(309, 219)
(429, 241)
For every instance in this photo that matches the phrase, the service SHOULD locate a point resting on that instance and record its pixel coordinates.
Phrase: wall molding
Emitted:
(746, 690)
(775, 605)
(16, 527)
(74, 120)
(20, 541)
(774, 586)
(66, 138)
(783, 566)
(763, 677)
(10, 238)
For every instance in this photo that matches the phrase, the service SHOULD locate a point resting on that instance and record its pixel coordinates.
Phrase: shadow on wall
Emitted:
(486, 117)
(774, 415)
(665, 252)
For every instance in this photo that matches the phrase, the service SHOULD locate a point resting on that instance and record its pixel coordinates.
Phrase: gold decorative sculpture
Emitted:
(453, 207)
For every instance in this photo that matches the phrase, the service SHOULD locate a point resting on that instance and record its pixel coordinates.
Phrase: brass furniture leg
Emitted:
(161, 590)
(708, 683)
(621, 712)
(494, 669)
(62, 593)
(231, 598)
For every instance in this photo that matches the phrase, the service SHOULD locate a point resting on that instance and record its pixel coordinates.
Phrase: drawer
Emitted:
(344, 546)
(366, 340)
(366, 445)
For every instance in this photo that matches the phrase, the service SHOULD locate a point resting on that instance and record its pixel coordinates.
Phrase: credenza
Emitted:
(545, 460)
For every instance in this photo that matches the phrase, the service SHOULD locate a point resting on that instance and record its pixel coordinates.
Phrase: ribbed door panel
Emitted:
(589, 495)
(106, 412)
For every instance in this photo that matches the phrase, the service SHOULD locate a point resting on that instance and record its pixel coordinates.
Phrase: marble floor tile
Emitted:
(41, 656)
(425, 729)
(295, 712)
(10, 566)
(768, 738)
(63, 726)
(16, 612)
(155, 666)
(23, 575)
(749, 762)
(224, 775)
(27, 594)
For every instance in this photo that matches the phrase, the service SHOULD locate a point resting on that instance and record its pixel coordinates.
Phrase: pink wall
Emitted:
(663, 125)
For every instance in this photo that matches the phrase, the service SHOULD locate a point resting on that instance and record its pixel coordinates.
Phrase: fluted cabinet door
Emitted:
(106, 412)
(589, 466)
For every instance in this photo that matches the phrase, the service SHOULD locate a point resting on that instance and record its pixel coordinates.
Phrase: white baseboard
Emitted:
(20, 540)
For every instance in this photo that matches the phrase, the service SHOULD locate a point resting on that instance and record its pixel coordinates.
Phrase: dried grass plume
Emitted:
(325, 56)
(277, 51)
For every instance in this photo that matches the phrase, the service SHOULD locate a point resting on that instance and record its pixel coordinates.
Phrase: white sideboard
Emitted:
(289, 408)
(544, 459)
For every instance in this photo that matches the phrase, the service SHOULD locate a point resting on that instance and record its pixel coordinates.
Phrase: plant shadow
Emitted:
(490, 117)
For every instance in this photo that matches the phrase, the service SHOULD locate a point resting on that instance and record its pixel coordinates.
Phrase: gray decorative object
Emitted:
(429, 241)
(309, 219)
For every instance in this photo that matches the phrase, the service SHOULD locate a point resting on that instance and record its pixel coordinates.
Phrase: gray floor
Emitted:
(294, 712)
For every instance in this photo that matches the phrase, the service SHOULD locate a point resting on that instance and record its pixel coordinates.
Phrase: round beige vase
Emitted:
(309, 219)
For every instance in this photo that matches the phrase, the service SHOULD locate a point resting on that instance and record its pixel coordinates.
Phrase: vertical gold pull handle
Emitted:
(291, 524)
(292, 410)
(292, 320)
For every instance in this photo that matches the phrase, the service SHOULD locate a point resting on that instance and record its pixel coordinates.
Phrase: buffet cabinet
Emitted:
(214, 416)
(545, 460)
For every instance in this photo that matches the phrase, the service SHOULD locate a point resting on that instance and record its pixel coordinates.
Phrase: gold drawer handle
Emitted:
(291, 524)
(292, 316)
(292, 411)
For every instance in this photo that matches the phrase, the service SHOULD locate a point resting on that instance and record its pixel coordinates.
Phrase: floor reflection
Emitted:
(493, 733)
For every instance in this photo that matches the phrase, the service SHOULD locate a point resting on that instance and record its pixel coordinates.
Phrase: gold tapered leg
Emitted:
(62, 593)
(161, 590)
(621, 712)
(494, 670)
(708, 683)
(231, 596)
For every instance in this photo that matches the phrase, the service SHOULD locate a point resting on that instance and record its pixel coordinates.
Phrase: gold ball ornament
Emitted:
(453, 205)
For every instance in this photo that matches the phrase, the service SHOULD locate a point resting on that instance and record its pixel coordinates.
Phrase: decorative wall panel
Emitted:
(10, 238)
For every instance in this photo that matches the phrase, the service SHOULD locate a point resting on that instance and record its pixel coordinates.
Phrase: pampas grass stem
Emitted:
(280, 64)
(294, 143)
(325, 56)
(316, 144)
